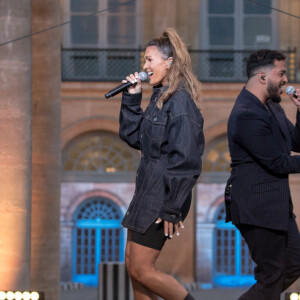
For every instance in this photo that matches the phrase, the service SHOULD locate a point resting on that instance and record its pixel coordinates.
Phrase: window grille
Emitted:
(98, 208)
(214, 65)
(100, 153)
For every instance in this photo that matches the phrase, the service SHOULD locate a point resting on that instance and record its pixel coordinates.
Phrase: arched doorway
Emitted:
(97, 237)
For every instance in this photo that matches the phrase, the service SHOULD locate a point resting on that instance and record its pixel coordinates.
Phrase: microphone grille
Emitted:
(290, 89)
(143, 76)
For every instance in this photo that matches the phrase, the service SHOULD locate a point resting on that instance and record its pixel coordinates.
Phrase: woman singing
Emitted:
(169, 134)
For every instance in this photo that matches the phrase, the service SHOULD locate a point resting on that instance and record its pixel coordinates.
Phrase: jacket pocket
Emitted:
(155, 133)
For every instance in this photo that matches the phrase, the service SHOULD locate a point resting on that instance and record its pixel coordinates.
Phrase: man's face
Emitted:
(276, 80)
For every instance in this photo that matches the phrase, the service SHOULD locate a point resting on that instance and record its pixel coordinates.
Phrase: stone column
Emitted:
(46, 152)
(15, 145)
(204, 255)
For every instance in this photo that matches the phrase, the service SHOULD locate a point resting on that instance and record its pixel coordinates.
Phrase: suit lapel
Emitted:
(276, 110)
(280, 117)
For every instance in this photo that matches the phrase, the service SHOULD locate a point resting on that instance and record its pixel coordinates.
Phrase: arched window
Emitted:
(99, 153)
(216, 161)
(217, 157)
(233, 265)
(97, 237)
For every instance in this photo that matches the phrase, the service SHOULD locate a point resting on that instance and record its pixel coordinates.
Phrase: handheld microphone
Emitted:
(291, 90)
(142, 75)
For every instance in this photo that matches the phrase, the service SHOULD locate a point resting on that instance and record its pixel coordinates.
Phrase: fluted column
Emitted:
(15, 145)
(46, 152)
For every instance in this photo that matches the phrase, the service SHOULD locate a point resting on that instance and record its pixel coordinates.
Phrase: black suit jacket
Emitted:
(260, 142)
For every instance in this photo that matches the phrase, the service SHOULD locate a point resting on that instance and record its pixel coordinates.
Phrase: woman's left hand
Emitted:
(170, 228)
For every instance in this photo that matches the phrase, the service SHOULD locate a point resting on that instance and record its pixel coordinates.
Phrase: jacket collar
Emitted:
(159, 89)
(248, 95)
(276, 110)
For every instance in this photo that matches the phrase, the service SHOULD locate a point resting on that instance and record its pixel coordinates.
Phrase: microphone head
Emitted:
(290, 89)
(143, 76)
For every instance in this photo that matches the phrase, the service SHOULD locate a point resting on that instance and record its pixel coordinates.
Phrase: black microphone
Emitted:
(291, 90)
(142, 75)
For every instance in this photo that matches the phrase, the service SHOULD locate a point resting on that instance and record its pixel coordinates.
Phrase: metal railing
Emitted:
(115, 64)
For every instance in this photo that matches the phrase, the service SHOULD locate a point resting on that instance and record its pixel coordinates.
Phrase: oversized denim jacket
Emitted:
(171, 142)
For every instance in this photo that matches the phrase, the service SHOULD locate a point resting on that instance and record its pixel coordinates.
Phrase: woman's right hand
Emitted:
(135, 80)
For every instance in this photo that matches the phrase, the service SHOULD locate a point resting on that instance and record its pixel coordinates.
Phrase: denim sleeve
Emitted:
(185, 147)
(130, 119)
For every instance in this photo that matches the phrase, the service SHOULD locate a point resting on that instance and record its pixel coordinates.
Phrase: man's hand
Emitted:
(295, 100)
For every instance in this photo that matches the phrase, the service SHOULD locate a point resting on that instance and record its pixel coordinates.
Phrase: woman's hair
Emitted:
(180, 72)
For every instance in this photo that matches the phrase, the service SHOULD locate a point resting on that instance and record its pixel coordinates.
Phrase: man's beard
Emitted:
(275, 98)
(273, 92)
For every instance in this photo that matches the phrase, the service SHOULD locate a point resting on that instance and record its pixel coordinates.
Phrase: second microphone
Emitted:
(143, 77)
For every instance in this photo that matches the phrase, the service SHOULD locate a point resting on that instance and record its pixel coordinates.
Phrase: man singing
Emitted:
(257, 194)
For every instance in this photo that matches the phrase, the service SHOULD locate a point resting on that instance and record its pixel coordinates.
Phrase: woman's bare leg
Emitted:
(147, 280)
(140, 291)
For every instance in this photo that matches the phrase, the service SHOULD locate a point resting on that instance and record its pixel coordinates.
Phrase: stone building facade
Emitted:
(63, 149)
(96, 167)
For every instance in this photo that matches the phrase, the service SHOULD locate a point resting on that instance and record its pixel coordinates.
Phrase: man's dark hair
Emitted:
(262, 58)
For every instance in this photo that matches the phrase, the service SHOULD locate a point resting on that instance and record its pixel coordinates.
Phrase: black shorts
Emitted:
(153, 238)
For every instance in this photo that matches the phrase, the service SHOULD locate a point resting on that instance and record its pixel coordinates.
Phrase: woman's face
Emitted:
(156, 65)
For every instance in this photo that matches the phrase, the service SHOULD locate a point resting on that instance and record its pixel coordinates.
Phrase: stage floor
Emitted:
(213, 294)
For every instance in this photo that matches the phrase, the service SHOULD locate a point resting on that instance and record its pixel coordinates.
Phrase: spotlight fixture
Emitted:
(26, 295)
(292, 296)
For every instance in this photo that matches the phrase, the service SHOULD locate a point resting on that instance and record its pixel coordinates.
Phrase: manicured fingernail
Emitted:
(156, 222)
(178, 234)
(166, 234)
(182, 226)
(171, 236)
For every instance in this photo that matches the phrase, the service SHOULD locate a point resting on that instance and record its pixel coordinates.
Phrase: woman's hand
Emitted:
(170, 228)
(136, 86)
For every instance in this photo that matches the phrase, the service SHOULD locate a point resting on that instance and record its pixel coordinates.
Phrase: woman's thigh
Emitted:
(153, 238)
(139, 258)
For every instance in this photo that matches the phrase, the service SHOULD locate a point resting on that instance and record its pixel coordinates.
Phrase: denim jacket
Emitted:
(171, 142)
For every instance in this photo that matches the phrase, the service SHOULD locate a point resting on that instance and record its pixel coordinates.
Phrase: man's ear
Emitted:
(262, 77)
